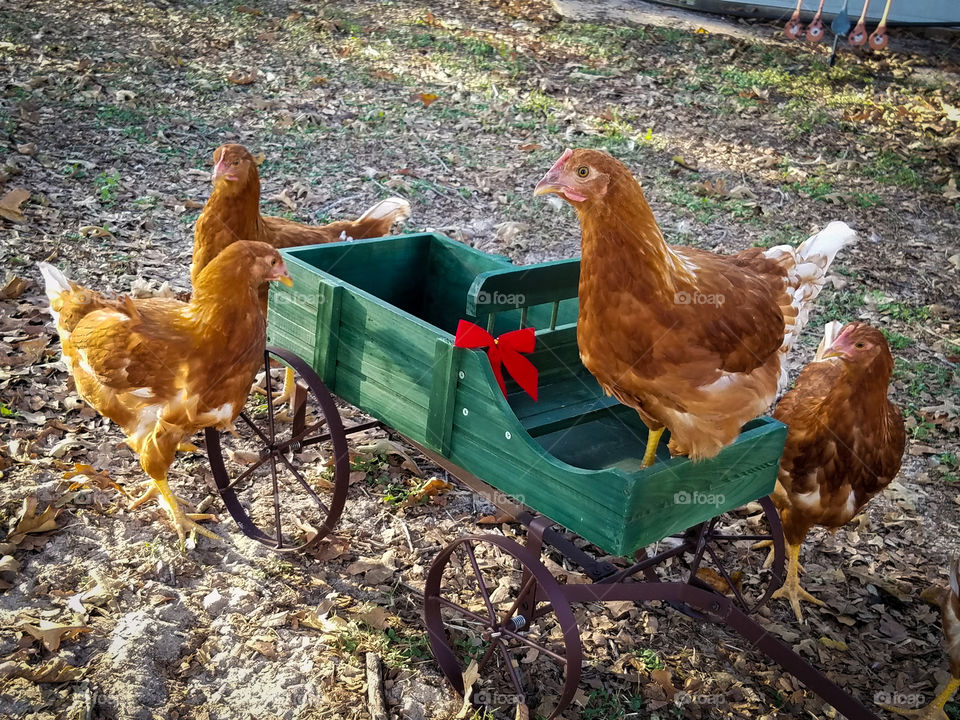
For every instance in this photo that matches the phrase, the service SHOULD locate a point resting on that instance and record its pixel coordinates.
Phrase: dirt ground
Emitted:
(109, 113)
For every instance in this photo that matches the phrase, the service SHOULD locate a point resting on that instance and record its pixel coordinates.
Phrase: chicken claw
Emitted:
(791, 587)
(933, 711)
(184, 523)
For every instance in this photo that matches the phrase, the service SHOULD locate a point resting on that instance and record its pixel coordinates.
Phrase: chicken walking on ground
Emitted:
(232, 213)
(949, 602)
(844, 444)
(163, 369)
(693, 341)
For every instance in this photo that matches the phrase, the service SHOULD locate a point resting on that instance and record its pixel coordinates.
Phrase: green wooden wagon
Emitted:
(374, 323)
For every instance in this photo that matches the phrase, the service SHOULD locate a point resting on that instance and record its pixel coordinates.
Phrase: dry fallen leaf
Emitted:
(431, 488)
(10, 205)
(386, 448)
(51, 634)
(470, 677)
(84, 475)
(238, 77)
(376, 617)
(52, 671)
(29, 523)
(950, 191)
(427, 98)
(14, 288)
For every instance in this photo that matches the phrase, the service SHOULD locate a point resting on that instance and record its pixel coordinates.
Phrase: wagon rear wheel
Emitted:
(490, 600)
(284, 474)
(720, 557)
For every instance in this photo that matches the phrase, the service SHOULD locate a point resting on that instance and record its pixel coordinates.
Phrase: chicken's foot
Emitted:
(285, 396)
(772, 554)
(791, 587)
(653, 439)
(933, 711)
(184, 523)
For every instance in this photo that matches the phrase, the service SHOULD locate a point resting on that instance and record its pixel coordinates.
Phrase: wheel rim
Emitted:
(269, 478)
(490, 599)
(724, 553)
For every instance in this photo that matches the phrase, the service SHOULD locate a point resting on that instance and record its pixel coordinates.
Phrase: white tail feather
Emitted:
(56, 281)
(830, 332)
(395, 207)
(807, 267)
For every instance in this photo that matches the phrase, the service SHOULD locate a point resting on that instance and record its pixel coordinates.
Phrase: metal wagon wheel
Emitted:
(719, 557)
(489, 599)
(274, 473)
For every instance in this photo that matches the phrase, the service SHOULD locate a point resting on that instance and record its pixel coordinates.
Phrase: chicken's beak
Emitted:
(552, 182)
(549, 184)
(281, 274)
(222, 170)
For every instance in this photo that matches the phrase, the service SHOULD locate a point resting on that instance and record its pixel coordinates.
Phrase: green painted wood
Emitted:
(328, 333)
(574, 456)
(442, 396)
(511, 288)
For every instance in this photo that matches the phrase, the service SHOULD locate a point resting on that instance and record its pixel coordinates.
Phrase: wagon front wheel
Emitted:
(283, 474)
(489, 600)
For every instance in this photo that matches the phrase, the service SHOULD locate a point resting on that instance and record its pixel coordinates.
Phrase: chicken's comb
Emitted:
(563, 158)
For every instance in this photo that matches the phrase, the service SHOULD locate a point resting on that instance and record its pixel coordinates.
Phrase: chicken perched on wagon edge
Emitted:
(232, 213)
(163, 369)
(694, 341)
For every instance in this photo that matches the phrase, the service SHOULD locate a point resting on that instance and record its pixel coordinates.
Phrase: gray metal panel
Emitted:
(902, 12)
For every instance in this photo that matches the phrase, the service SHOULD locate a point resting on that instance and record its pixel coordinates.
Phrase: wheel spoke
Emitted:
(481, 586)
(303, 482)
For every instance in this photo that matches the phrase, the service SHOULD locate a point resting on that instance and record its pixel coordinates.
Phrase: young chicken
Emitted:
(233, 213)
(949, 602)
(693, 341)
(163, 369)
(844, 442)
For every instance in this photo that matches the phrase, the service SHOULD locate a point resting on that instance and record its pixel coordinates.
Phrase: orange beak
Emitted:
(222, 170)
(281, 274)
(842, 345)
(554, 182)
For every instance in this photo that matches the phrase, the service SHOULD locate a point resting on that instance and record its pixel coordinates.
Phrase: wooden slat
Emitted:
(442, 396)
(526, 286)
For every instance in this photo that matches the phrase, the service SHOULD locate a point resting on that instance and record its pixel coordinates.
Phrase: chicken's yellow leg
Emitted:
(285, 395)
(653, 439)
(183, 522)
(933, 711)
(791, 587)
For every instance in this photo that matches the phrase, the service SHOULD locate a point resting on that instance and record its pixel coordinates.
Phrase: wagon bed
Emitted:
(376, 320)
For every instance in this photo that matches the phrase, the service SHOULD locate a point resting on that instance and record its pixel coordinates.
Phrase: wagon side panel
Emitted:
(668, 499)
(488, 439)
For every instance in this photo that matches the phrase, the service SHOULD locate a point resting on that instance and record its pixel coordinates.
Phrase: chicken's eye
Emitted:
(236, 162)
(583, 171)
(860, 345)
(273, 261)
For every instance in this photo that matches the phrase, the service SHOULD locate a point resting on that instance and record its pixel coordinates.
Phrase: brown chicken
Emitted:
(693, 341)
(949, 602)
(844, 443)
(163, 369)
(233, 213)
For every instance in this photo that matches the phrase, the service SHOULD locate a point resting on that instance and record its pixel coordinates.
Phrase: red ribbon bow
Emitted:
(504, 350)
